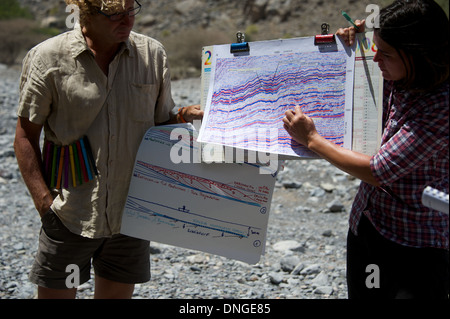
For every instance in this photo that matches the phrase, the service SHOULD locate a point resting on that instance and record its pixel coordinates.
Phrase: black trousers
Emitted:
(380, 269)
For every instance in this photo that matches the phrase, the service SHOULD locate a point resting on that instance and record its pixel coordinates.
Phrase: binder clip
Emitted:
(325, 38)
(240, 45)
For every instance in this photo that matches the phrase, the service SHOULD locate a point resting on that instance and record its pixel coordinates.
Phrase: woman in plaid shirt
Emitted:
(397, 247)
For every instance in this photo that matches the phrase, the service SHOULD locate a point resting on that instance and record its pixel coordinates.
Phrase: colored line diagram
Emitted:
(254, 92)
(238, 192)
(211, 224)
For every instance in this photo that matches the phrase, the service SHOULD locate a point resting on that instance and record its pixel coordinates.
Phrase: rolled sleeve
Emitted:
(414, 143)
(35, 98)
(165, 102)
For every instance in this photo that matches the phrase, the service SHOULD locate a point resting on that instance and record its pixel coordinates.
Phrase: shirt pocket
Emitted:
(143, 97)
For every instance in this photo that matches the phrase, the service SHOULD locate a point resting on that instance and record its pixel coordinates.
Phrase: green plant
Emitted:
(17, 36)
(11, 9)
(185, 49)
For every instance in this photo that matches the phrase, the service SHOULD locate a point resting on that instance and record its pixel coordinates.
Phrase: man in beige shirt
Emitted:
(107, 85)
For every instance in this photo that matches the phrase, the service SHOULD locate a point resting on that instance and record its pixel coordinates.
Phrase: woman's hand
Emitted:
(303, 130)
(300, 126)
(349, 34)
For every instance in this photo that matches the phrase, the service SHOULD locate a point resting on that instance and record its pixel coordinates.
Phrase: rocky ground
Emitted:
(305, 251)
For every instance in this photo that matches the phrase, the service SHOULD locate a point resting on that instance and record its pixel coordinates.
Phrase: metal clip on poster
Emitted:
(240, 45)
(325, 37)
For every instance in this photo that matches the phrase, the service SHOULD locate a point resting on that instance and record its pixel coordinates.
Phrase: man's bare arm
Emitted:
(28, 154)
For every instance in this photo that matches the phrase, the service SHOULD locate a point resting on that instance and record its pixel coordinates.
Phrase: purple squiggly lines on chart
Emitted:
(253, 93)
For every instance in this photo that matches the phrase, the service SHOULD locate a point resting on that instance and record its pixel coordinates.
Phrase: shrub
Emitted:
(17, 36)
(185, 49)
(11, 9)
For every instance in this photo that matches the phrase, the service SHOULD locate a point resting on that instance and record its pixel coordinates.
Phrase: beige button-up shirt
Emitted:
(64, 89)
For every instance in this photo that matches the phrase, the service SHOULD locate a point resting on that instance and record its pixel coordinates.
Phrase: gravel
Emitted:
(305, 249)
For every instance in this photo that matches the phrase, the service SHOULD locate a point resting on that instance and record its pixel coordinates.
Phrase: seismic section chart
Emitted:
(216, 208)
(249, 95)
(368, 97)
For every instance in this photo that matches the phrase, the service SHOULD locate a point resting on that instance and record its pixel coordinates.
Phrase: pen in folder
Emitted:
(72, 166)
(47, 160)
(54, 167)
(86, 161)
(347, 17)
(66, 167)
(60, 167)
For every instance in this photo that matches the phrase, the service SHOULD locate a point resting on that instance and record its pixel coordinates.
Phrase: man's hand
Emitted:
(191, 113)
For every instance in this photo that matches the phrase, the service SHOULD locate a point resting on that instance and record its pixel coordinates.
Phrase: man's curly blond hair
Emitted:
(90, 7)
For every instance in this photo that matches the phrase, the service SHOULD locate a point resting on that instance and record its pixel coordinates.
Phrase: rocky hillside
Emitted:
(185, 26)
(262, 19)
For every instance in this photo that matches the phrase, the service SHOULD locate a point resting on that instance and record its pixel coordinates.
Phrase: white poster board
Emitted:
(175, 199)
(249, 93)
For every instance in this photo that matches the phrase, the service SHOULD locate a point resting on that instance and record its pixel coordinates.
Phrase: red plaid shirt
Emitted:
(414, 154)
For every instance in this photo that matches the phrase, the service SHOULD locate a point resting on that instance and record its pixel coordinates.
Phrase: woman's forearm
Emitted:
(353, 163)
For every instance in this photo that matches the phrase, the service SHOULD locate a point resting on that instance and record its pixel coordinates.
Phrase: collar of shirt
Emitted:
(78, 44)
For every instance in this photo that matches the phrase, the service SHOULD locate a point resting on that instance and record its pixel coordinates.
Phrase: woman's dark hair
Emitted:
(419, 28)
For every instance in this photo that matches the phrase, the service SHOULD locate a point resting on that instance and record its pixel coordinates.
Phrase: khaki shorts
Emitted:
(119, 258)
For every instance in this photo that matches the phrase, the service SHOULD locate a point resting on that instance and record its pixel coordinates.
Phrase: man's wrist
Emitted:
(45, 203)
